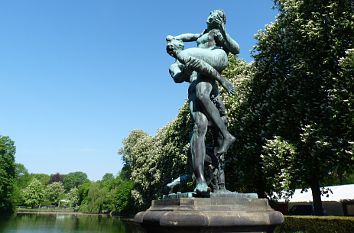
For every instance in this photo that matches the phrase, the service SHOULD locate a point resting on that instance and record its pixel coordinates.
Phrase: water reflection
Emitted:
(39, 223)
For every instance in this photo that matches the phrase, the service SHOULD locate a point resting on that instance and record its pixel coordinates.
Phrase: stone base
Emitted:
(207, 215)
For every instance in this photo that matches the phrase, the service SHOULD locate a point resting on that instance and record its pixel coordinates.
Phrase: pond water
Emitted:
(57, 223)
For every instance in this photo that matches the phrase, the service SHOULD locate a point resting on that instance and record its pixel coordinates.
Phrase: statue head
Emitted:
(173, 45)
(215, 18)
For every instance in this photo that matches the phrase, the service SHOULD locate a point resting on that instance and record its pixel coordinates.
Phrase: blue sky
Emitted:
(77, 76)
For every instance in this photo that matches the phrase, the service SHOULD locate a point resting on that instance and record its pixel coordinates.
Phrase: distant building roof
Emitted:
(338, 193)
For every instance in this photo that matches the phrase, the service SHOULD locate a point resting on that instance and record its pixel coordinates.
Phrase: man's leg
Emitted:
(198, 147)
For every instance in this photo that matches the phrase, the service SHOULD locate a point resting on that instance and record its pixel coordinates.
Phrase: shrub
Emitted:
(312, 224)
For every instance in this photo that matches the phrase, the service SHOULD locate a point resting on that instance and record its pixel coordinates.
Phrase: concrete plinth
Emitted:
(206, 215)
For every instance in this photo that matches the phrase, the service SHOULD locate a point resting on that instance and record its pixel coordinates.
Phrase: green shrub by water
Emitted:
(316, 224)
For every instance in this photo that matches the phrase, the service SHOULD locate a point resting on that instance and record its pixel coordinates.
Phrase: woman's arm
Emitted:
(226, 41)
(188, 37)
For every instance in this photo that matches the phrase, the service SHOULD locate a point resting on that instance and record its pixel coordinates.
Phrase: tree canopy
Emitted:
(7, 174)
(54, 192)
(74, 179)
(34, 193)
(302, 93)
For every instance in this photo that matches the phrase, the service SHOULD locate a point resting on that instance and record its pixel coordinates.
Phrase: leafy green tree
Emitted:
(138, 156)
(108, 181)
(108, 184)
(54, 192)
(110, 195)
(22, 176)
(83, 192)
(301, 92)
(172, 142)
(280, 166)
(153, 161)
(57, 177)
(43, 178)
(22, 180)
(74, 179)
(34, 193)
(122, 197)
(343, 93)
(73, 197)
(95, 200)
(127, 151)
(242, 163)
(7, 174)
(108, 177)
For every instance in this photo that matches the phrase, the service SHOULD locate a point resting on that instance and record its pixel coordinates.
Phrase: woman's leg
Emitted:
(207, 62)
(203, 89)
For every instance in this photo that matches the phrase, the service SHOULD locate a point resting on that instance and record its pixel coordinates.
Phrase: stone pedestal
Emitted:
(207, 215)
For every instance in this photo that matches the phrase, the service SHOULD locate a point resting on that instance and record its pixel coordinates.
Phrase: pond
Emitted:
(61, 223)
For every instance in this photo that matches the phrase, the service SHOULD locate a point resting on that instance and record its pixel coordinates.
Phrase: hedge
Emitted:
(316, 224)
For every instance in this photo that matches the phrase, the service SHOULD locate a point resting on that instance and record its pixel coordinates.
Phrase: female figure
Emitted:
(207, 60)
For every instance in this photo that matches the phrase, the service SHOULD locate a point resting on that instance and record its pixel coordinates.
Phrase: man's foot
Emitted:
(230, 88)
(202, 190)
(226, 143)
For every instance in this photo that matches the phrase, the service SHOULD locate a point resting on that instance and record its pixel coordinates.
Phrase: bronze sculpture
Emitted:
(201, 66)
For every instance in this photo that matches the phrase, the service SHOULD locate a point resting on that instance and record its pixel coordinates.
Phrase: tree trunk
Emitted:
(316, 196)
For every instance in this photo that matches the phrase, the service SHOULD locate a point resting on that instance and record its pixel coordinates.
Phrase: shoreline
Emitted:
(59, 212)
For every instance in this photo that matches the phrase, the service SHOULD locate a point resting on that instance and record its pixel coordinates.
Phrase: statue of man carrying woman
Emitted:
(201, 67)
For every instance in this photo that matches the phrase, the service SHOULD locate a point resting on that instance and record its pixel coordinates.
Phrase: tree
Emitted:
(22, 180)
(280, 167)
(300, 93)
(83, 192)
(242, 168)
(7, 174)
(152, 162)
(108, 177)
(33, 194)
(74, 179)
(43, 178)
(54, 192)
(108, 180)
(122, 197)
(57, 177)
(110, 195)
(73, 197)
(95, 200)
(22, 176)
(138, 157)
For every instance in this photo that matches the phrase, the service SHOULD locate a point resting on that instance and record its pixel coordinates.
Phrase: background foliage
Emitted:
(7, 174)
